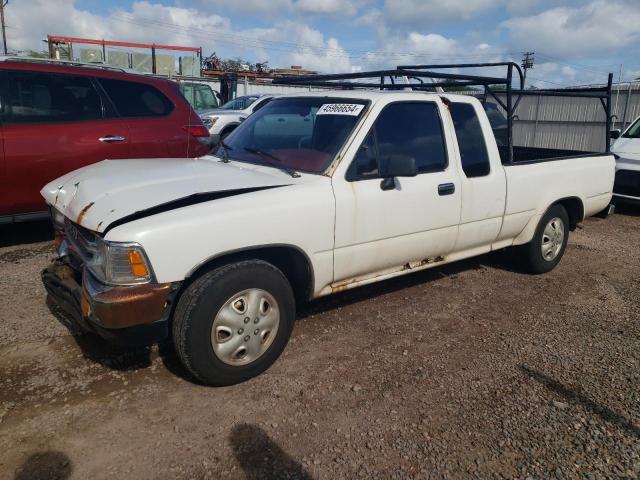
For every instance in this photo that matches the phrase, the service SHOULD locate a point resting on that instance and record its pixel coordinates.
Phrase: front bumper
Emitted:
(627, 184)
(129, 315)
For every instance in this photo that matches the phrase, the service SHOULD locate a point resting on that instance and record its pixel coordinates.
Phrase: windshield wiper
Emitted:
(225, 150)
(269, 159)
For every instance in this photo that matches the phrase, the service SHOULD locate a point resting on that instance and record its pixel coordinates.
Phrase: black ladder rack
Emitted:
(493, 86)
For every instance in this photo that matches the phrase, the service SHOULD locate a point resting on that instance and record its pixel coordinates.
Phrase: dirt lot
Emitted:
(472, 370)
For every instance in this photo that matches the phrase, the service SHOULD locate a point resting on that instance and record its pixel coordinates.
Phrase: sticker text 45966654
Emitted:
(352, 109)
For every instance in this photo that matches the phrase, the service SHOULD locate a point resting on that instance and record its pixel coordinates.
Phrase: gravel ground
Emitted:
(473, 370)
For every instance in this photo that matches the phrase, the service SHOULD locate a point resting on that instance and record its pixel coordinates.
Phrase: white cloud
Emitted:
(326, 7)
(276, 8)
(286, 43)
(435, 11)
(595, 28)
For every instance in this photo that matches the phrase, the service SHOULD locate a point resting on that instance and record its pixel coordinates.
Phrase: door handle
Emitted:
(112, 139)
(446, 189)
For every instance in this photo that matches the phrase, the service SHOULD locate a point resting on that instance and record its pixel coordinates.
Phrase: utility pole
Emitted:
(3, 3)
(527, 62)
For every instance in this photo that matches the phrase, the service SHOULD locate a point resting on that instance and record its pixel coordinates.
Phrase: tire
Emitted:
(533, 258)
(210, 327)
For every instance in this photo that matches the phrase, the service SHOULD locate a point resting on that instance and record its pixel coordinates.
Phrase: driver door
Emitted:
(380, 231)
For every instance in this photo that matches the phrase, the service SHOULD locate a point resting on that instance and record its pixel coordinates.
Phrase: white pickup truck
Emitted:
(311, 195)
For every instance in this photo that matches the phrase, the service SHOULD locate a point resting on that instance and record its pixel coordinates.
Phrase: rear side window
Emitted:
(473, 148)
(409, 129)
(133, 99)
(41, 97)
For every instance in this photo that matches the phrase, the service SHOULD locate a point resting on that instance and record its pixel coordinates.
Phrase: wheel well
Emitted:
(291, 261)
(229, 128)
(575, 210)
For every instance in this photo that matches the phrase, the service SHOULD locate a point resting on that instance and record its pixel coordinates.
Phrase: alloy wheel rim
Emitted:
(552, 239)
(245, 326)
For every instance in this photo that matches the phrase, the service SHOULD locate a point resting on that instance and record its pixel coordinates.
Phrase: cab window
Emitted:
(411, 129)
(473, 148)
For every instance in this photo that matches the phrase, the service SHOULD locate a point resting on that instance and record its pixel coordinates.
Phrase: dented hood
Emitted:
(100, 194)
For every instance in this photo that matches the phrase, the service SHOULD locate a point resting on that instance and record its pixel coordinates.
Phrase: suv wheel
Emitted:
(232, 323)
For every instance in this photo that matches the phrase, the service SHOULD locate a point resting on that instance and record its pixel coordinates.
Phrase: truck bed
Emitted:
(534, 154)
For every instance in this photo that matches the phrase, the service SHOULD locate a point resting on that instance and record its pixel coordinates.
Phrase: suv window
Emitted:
(36, 97)
(133, 99)
(200, 97)
(473, 149)
(410, 129)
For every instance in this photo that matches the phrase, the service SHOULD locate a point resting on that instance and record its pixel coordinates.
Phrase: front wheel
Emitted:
(544, 252)
(232, 323)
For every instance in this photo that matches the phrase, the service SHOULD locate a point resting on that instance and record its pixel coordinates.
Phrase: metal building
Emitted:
(573, 123)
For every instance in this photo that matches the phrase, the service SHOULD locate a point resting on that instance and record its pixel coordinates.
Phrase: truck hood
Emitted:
(98, 195)
(627, 147)
(628, 151)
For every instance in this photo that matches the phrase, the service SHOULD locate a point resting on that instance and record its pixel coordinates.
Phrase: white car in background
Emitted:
(222, 121)
(627, 149)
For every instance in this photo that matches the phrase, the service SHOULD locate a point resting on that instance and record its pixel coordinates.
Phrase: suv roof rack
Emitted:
(493, 86)
(53, 61)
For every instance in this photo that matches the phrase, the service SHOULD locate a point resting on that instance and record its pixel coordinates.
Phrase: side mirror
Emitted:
(615, 134)
(393, 166)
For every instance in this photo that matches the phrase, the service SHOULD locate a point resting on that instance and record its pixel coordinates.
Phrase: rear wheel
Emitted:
(233, 322)
(544, 252)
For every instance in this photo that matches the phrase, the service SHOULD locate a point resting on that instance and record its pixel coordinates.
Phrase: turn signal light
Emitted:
(138, 266)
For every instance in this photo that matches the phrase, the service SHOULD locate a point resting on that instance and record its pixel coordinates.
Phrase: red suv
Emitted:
(56, 117)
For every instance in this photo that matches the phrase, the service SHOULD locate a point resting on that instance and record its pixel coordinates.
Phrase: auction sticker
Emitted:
(352, 109)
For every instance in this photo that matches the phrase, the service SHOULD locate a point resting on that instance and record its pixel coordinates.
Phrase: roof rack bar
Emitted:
(54, 61)
(387, 86)
(111, 43)
(305, 79)
(453, 80)
(559, 93)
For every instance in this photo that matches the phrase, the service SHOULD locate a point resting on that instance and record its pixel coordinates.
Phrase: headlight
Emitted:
(209, 121)
(118, 263)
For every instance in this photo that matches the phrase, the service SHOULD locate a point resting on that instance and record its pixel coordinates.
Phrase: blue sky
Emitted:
(576, 42)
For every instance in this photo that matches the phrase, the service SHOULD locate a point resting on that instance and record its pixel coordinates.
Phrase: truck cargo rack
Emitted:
(438, 80)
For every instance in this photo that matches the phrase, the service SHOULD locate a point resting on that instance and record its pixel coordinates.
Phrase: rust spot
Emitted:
(83, 212)
(346, 284)
(342, 286)
(121, 307)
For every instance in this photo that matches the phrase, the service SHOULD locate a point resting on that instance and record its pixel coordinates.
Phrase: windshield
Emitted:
(633, 131)
(303, 134)
(239, 103)
(200, 97)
